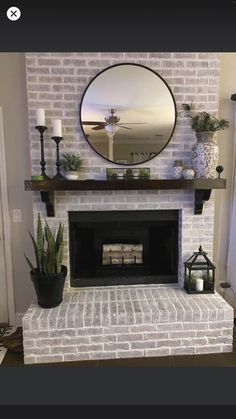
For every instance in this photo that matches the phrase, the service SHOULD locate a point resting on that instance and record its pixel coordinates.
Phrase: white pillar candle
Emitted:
(40, 117)
(199, 284)
(56, 124)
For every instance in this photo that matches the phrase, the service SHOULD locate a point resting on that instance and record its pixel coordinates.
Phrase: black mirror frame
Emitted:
(174, 102)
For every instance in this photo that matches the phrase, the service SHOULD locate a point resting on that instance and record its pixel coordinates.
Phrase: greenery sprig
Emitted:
(203, 121)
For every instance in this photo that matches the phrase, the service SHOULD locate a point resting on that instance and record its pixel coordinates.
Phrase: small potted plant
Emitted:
(128, 174)
(205, 152)
(143, 173)
(48, 276)
(71, 164)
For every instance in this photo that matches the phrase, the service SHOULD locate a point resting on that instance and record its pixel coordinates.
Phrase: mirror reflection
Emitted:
(128, 114)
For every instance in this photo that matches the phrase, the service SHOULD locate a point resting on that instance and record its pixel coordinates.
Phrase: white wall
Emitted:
(13, 102)
(225, 141)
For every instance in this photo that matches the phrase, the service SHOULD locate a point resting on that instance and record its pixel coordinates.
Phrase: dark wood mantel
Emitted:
(202, 188)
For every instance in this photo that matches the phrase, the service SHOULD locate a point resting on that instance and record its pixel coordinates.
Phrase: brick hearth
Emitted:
(124, 322)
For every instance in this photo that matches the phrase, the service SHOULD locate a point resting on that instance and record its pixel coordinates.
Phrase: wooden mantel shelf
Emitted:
(202, 188)
(136, 184)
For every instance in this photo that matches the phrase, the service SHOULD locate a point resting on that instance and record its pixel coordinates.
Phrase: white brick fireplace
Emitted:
(56, 82)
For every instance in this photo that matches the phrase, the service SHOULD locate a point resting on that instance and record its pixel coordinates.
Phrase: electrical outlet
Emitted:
(16, 216)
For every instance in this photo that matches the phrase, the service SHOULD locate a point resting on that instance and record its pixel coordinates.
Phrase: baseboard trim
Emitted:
(19, 319)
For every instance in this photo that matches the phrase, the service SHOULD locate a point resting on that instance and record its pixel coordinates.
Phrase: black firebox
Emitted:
(123, 247)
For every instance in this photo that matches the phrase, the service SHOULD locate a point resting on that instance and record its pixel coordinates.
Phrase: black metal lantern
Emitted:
(199, 274)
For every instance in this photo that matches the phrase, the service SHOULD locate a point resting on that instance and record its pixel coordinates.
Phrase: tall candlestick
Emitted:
(58, 175)
(40, 117)
(41, 129)
(56, 125)
(40, 126)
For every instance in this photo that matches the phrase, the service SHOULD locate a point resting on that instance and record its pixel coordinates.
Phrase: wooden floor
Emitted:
(209, 360)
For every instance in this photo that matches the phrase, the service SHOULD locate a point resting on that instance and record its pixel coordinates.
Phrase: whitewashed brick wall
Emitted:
(56, 82)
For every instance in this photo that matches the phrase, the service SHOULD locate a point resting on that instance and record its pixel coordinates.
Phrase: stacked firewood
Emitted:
(122, 254)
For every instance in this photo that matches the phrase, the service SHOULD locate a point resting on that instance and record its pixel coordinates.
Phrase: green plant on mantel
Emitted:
(71, 162)
(143, 174)
(49, 260)
(204, 121)
(128, 174)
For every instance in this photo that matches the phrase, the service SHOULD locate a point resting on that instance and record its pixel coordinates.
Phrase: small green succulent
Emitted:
(128, 174)
(143, 174)
(71, 162)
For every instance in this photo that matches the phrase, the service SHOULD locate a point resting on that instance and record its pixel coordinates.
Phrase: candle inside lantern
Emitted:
(40, 117)
(199, 284)
(56, 124)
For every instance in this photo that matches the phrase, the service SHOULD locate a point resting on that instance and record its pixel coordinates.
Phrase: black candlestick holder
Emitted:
(58, 175)
(41, 129)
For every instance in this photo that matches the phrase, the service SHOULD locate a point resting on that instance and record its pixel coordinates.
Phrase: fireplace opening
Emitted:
(123, 247)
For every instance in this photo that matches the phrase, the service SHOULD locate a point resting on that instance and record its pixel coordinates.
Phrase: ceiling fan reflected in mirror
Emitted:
(111, 121)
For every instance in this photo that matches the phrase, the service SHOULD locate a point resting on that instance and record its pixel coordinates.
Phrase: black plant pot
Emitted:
(49, 289)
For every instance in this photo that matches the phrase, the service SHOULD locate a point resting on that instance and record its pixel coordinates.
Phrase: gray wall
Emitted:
(13, 102)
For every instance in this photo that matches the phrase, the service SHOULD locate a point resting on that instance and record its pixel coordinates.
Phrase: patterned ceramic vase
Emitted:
(188, 173)
(177, 169)
(205, 154)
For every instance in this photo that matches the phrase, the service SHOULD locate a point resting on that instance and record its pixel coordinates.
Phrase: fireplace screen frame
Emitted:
(130, 274)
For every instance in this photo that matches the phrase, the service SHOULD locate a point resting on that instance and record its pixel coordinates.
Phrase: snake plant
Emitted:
(48, 249)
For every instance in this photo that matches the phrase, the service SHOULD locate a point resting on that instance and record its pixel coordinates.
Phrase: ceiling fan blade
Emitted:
(93, 123)
(121, 126)
(134, 123)
(98, 127)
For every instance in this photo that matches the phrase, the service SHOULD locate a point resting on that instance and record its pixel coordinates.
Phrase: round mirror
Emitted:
(128, 114)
